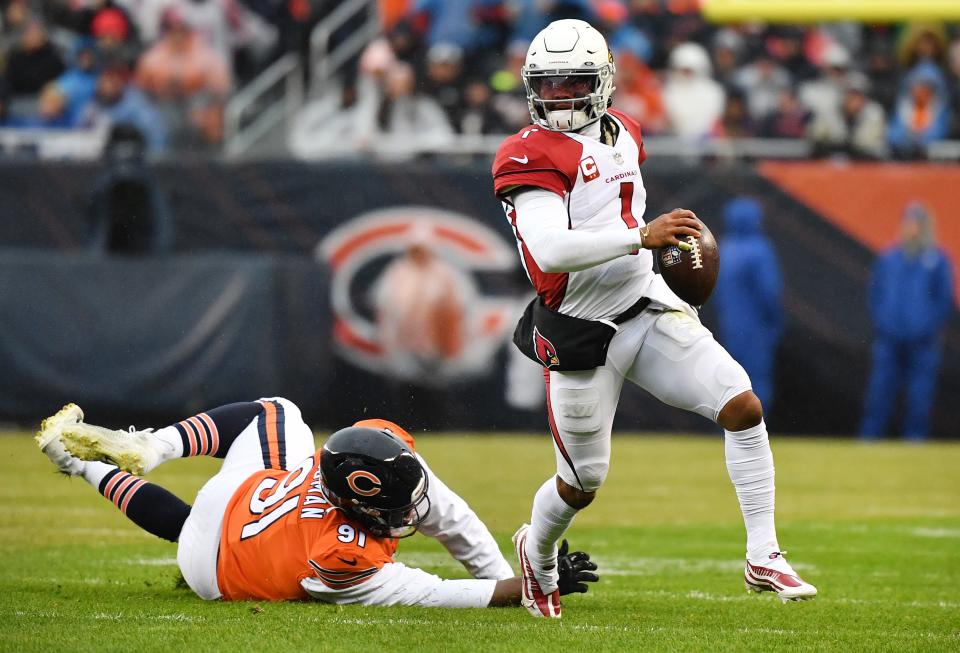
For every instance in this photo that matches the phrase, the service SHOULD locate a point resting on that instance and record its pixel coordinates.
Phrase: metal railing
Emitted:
(326, 62)
(402, 146)
(277, 93)
(263, 97)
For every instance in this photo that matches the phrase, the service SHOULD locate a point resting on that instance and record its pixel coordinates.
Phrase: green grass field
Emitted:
(876, 528)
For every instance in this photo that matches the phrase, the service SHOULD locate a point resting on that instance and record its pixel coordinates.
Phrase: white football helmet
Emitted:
(568, 75)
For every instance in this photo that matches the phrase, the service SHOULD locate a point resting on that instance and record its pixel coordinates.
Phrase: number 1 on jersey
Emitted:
(626, 205)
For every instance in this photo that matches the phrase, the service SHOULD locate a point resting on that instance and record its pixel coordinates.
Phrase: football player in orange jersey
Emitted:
(283, 521)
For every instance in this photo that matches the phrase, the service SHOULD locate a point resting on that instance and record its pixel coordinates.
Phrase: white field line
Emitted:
(150, 562)
(750, 596)
(76, 580)
(609, 565)
(639, 566)
(108, 616)
(124, 616)
(935, 532)
(374, 621)
(102, 532)
(78, 533)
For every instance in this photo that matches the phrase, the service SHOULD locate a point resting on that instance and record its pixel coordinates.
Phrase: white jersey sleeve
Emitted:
(397, 584)
(452, 522)
(541, 221)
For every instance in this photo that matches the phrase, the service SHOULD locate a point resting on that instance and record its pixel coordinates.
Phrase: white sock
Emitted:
(551, 517)
(94, 471)
(170, 444)
(750, 465)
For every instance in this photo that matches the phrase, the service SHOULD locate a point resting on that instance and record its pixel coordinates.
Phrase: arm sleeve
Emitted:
(452, 523)
(397, 584)
(542, 224)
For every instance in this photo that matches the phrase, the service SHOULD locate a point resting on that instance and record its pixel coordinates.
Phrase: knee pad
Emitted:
(576, 410)
(593, 474)
(580, 423)
(590, 474)
(731, 376)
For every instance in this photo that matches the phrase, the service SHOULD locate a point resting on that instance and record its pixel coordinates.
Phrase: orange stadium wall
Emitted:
(866, 200)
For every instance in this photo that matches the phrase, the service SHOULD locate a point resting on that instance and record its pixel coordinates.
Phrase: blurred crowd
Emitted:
(447, 67)
(863, 91)
(164, 67)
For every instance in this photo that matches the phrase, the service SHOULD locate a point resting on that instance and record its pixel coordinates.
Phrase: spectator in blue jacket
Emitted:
(911, 299)
(79, 83)
(922, 113)
(748, 295)
(117, 102)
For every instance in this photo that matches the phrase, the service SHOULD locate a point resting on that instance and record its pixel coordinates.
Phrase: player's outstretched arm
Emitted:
(541, 220)
(397, 584)
(455, 525)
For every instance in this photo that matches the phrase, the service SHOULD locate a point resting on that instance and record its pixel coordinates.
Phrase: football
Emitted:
(692, 275)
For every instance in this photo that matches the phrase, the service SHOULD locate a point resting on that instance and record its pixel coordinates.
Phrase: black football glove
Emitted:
(575, 569)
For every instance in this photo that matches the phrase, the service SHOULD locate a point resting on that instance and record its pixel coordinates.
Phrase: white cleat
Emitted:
(776, 575)
(132, 451)
(531, 596)
(48, 439)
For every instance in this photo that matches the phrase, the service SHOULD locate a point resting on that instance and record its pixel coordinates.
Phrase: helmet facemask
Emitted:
(394, 522)
(388, 497)
(568, 100)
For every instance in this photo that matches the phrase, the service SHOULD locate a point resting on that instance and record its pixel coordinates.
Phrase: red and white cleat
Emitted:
(776, 575)
(531, 597)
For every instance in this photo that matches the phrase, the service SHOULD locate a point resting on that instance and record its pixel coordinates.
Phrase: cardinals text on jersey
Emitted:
(603, 190)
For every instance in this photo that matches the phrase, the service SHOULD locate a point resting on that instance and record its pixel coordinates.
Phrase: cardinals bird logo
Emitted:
(546, 352)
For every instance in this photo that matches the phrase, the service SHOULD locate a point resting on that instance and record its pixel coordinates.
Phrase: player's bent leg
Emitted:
(206, 434)
(580, 407)
(149, 506)
(742, 412)
(298, 438)
(274, 438)
(574, 497)
(681, 364)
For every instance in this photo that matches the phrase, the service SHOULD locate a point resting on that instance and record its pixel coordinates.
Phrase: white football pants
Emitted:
(668, 353)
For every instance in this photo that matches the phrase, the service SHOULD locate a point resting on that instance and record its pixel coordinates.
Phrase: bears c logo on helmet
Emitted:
(546, 352)
(364, 478)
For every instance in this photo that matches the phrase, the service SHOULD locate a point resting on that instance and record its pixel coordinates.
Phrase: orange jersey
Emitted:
(279, 529)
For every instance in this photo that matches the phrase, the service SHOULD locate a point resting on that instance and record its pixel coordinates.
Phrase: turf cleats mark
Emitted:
(48, 439)
(531, 597)
(132, 451)
(776, 575)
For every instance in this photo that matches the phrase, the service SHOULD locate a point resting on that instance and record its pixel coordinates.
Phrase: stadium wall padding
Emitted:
(241, 309)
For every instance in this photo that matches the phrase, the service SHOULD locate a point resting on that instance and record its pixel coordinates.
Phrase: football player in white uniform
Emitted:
(572, 189)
